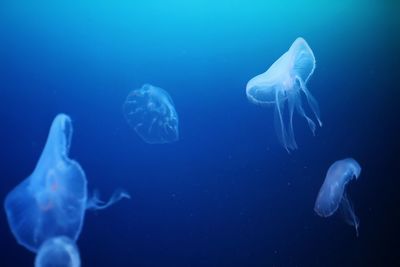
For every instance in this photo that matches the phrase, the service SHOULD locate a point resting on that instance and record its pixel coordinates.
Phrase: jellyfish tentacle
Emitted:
(348, 212)
(301, 111)
(95, 203)
(284, 126)
(310, 122)
(291, 104)
(311, 100)
(279, 125)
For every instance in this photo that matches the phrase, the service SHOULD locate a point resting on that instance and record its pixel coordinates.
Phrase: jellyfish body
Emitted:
(150, 111)
(52, 201)
(282, 83)
(58, 252)
(332, 194)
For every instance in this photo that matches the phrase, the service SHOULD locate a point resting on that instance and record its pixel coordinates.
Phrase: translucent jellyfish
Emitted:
(52, 201)
(332, 194)
(151, 113)
(284, 82)
(58, 252)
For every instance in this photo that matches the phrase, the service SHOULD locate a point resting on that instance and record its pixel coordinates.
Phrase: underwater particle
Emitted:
(283, 83)
(58, 252)
(332, 194)
(150, 111)
(52, 201)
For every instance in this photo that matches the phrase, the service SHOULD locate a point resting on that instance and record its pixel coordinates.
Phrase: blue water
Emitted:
(227, 193)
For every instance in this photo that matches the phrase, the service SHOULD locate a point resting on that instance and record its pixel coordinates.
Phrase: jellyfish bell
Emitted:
(283, 83)
(332, 194)
(151, 112)
(52, 201)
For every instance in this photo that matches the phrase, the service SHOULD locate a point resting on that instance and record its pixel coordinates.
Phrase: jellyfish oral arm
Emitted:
(349, 214)
(311, 100)
(95, 203)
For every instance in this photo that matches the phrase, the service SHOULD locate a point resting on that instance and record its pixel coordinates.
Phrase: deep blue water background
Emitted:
(226, 194)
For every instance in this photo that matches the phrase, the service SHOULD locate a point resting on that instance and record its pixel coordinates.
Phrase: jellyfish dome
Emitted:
(332, 194)
(150, 111)
(58, 252)
(52, 201)
(285, 82)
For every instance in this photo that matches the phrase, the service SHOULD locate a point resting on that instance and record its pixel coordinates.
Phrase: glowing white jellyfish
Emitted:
(52, 201)
(58, 252)
(332, 194)
(283, 83)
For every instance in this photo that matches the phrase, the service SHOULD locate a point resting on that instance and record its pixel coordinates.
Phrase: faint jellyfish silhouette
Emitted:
(332, 194)
(58, 252)
(52, 201)
(151, 113)
(283, 83)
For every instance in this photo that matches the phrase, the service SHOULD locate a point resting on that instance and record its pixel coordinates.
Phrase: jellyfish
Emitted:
(151, 113)
(58, 252)
(52, 201)
(332, 194)
(285, 82)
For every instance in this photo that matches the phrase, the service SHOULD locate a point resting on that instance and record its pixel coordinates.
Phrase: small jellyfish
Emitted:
(332, 194)
(58, 252)
(151, 113)
(283, 83)
(52, 201)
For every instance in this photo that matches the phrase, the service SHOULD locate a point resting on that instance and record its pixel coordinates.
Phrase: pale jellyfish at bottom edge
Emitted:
(58, 252)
